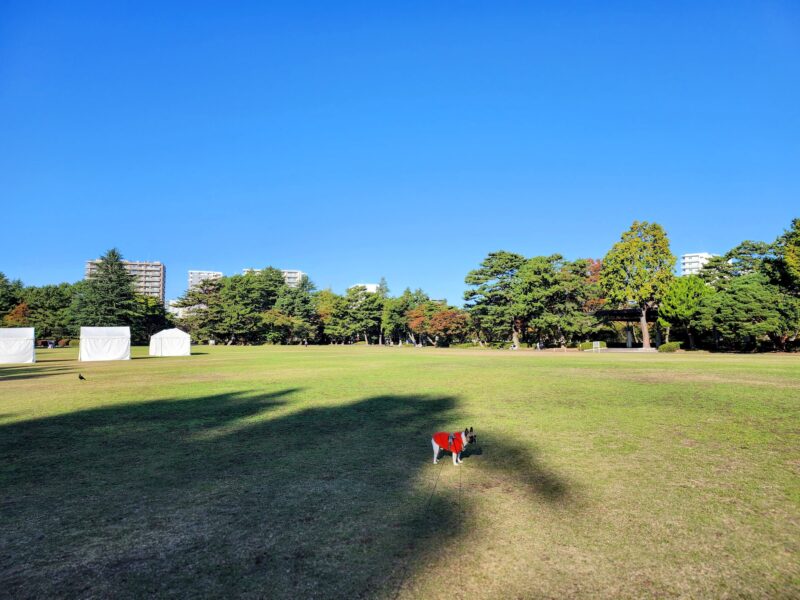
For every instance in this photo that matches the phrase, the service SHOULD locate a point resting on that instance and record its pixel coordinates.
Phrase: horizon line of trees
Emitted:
(748, 299)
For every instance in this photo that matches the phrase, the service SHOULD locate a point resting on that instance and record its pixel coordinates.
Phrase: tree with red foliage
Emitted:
(448, 324)
(439, 323)
(17, 316)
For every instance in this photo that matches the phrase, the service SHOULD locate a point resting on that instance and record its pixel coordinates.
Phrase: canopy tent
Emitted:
(17, 345)
(171, 342)
(105, 343)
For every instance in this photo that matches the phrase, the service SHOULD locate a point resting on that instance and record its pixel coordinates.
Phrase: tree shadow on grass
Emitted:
(231, 495)
(32, 371)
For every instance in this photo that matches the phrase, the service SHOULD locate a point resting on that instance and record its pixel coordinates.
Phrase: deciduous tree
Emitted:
(10, 294)
(681, 304)
(17, 316)
(638, 270)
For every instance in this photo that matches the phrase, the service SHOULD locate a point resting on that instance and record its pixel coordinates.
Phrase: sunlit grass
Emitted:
(292, 472)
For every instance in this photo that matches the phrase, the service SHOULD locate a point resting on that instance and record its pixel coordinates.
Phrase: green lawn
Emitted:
(299, 473)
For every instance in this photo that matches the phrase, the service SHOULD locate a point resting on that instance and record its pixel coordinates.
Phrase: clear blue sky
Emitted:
(405, 140)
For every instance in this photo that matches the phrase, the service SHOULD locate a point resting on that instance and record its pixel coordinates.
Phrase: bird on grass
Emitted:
(81, 377)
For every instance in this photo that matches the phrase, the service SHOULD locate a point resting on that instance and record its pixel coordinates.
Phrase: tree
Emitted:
(394, 315)
(490, 302)
(787, 261)
(638, 270)
(242, 301)
(331, 311)
(266, 286)
(202, 314)
(363, 312)
(10, 294)
(594, 293)
(107, 298)
(447, 325)
(17, 316)
(383, 288)
(748, 257)
(744, 311)
(297, 304)
(282, 327)
(50, 309)
(681, 304)
(150, 318)
(552, 296)
(417, 322)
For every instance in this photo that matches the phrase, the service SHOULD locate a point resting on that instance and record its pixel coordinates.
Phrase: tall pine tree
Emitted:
(107, 298)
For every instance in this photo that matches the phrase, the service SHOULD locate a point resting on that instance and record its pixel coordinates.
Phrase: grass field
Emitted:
(290, 472)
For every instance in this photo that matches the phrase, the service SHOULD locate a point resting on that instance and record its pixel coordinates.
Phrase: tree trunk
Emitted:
(515, 335)
(691, 338)
(667, 336)
(380, 338)
(645, 331)
(366, 339)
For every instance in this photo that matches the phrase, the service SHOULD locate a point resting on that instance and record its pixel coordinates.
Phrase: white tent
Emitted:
(105, 343)
(16, 345)
(171, 342)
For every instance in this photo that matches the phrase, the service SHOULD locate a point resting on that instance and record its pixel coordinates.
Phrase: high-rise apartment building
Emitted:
(291, 277)
(196, 277)
(150, 277)
(692, 263)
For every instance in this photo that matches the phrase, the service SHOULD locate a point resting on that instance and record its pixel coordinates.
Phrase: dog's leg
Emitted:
(435, 452)
(455, 458)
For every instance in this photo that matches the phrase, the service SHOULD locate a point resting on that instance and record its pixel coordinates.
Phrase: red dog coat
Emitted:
(442, 439)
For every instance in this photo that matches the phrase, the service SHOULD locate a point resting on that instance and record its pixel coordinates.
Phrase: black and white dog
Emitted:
(452, 442)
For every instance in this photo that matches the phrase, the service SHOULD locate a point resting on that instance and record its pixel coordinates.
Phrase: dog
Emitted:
(453, 443)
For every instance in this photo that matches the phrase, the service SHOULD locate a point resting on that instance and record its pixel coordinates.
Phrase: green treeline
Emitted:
(748, 299)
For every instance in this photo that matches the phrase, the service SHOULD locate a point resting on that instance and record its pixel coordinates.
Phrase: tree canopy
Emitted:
(638, 270)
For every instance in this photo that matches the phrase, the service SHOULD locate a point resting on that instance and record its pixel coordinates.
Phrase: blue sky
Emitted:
(405, 140)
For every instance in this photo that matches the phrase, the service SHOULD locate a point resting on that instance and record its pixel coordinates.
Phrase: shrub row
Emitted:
(670, 347)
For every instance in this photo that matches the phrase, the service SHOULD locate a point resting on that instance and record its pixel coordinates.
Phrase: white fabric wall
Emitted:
(105, 343)
(17, 345)
(171, 342)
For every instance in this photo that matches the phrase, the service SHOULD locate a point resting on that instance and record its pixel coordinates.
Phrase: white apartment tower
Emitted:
(151, 277)
(291, 277)
(692, 263)
(197, 277)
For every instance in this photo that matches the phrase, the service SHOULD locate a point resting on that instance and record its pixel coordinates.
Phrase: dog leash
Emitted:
(404, 572)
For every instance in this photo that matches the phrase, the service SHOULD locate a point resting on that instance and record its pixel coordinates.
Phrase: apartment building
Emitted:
(150, 277)
(692, 263)
(291, 277)
(197, 277)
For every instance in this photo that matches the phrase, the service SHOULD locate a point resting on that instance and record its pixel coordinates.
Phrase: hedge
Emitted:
(669, 347)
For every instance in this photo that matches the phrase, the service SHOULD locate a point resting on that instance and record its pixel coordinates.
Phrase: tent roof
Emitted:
(105, 332)
(171, 333)
(17, 332)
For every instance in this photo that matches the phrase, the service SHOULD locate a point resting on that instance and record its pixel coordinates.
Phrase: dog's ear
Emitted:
(466, 431)
(470, 429)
